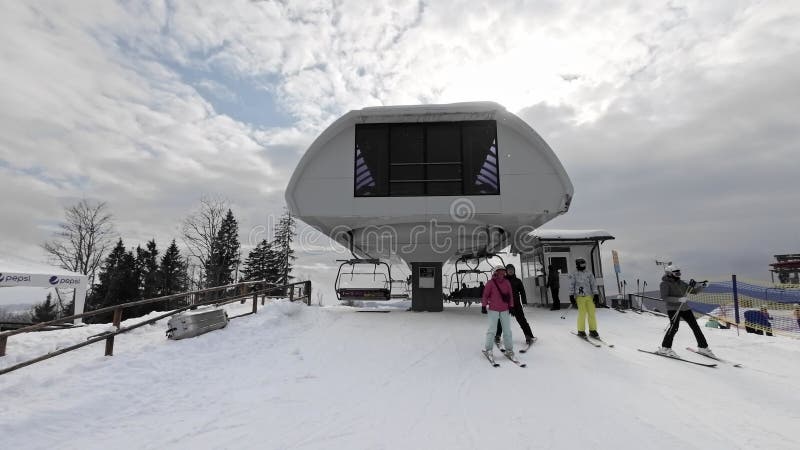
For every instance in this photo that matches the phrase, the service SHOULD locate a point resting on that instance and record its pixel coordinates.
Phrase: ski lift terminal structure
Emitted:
(428, 184)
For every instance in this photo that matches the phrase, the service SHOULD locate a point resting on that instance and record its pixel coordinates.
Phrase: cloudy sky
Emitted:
(678, 121)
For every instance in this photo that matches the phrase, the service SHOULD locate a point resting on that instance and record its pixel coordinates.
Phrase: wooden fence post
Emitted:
(117, 317)
(110, 346)
(3, 340)
(110, 339)
(255, 303)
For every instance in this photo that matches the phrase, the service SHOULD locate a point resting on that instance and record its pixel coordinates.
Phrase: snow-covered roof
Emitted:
(571, 235)
(429, 113)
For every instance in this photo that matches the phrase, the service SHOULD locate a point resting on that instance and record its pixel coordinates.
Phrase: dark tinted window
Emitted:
(372, 160)
(447, 158)
(480, 159)
(559, 263)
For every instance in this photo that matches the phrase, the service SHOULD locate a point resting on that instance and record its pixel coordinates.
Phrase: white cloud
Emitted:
(93, 102)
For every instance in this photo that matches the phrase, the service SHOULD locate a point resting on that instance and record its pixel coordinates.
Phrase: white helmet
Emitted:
(499, 267)
(671, 269)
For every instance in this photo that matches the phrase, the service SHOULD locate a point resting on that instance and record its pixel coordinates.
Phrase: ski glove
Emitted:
(692, 283)
(483, 310)
(572, 299)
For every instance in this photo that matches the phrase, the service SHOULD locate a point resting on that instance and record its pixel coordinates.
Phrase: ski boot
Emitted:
(582, 334)
(666, 351)
(705, 351)
(530, 340)
(593, 333)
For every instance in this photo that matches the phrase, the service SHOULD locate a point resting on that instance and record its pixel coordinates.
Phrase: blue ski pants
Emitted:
(503, 316)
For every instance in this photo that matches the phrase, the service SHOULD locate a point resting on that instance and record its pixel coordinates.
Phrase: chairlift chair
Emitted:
(381, 281)
(399, 289)
(464, 268)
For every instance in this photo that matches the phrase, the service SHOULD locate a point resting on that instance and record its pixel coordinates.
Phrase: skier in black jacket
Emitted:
(517, 311)
(553, 283)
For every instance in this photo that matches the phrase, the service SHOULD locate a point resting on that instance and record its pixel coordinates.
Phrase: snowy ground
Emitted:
(295, 376)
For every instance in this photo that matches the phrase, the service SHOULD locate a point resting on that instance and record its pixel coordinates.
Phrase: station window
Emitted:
(428, 159)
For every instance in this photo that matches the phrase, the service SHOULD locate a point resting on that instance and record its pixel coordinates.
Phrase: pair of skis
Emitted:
(715, 358)
(596, 341)
(494, 363)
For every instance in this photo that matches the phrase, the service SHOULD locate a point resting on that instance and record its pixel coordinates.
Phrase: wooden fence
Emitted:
(221, 295)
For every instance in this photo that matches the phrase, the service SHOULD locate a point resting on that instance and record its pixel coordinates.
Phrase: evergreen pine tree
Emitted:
(45, 311)
(172, 274)
(99, 292)
(147, 274)
(224, 253)
(282, 246)
(260, 264)
(118, 282)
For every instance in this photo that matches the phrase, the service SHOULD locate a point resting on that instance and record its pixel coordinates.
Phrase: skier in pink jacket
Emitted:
(498, 298)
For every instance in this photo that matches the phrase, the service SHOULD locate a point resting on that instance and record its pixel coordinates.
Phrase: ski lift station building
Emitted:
(427, 184)
(559, 249)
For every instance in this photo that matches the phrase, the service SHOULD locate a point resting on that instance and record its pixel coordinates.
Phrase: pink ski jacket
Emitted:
(497, 288)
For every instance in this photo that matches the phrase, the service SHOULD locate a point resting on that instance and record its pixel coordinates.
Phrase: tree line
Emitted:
(211, 257)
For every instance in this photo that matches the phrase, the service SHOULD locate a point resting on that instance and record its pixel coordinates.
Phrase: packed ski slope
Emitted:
(299, 377)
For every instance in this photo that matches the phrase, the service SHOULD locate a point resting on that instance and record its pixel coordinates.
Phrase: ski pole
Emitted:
(624, 293)
(638, 291)
(641, 299)
(564, 315)
(675, 316)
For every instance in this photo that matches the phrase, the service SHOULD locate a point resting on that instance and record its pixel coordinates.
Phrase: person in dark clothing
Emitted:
(517, 311)
(553, 283)
(797, 314)
(674, 292)
(758, 321)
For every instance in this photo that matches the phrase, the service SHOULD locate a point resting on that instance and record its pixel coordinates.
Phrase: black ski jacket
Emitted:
(519, 290)
(552, 279)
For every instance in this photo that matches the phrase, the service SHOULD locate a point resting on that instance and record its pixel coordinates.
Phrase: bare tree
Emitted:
(83, 238)
(200, 229)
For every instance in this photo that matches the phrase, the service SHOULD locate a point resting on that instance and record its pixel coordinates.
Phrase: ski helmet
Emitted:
(580, 264)
(499, 267)
(673, 270)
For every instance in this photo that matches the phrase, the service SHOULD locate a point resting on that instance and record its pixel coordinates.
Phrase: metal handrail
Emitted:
(109, 336)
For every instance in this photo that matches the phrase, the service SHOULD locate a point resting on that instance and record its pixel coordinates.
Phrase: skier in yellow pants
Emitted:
(583, 289)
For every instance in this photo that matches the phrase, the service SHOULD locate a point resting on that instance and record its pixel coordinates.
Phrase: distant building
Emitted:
(787, 268)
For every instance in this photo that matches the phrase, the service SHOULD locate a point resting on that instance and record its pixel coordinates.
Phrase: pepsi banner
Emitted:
(40, 280)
